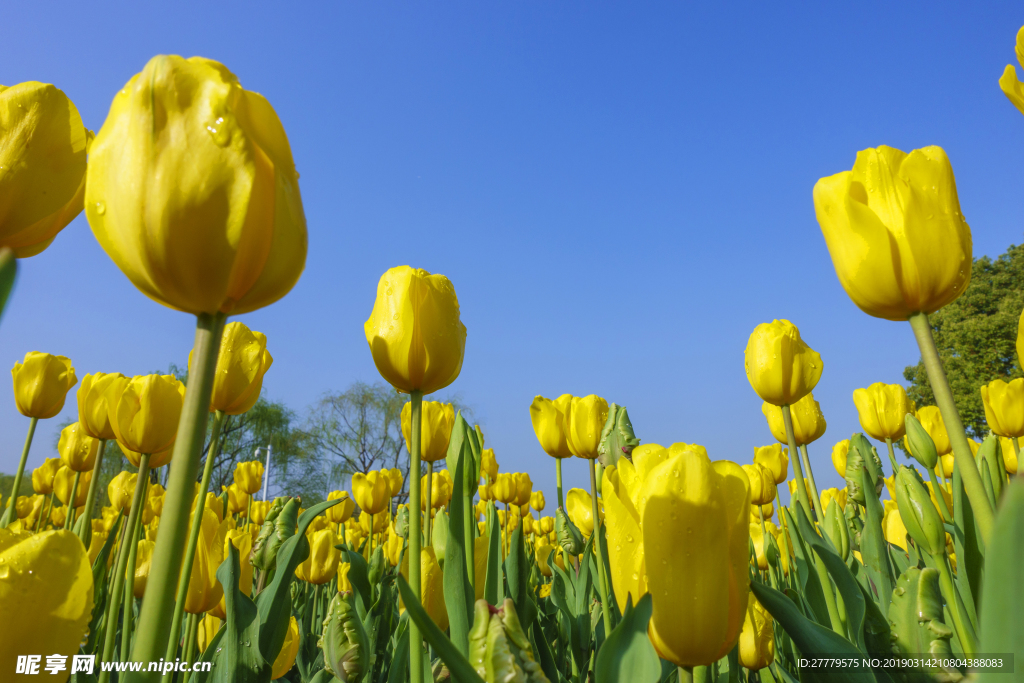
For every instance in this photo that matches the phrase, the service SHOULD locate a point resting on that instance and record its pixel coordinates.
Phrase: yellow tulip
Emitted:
(29, 506)
(537, 501)
(42, 382)
(208, 627)
(42, 476)
(93, 412)
(43, 145)
(757, 639)
(285, 659)
(415, 335)
(946, 465)
(212, 502)
(807, 486)
(192, 191)
(839, 453)
(393, 545)
(64, 481)
(322, 563)
(77, 449)
(379, 523)
(1009, 455)
(548, 418)
(946, 496)
(584, 420)
(395, 481)
(882, 410)
(767, 510)
(1004, 406)
(144, 412)
(974, 447)
(249, 476)
(57, 517)
(524, 488)
(828, 495)
(489, 464)
(485, 492)
(242, 362)
(808, 420)
(757, 538)
(893, 226)
(580, 508)
(317, 524)
(781, 368)
(1009, 84)
(775, 458)
(340, 513)
(681, 532)
(432, 587)
(242, 541)
(438, 419)
(99, 537)
(204, 591)
(344, 585)
(46, 589)
(260, 508)
(543, 550)
(108, 515)
(238, 500)
(931, 420)
(762, 484)
(143, 563)
(890, 483)
(440, 490)
(505, 489)
(893, 528)
(371, 491)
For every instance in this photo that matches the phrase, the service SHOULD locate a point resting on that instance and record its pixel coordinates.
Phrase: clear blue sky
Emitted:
(619, 193)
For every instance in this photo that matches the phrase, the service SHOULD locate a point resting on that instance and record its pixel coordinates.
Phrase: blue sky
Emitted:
(619, 193)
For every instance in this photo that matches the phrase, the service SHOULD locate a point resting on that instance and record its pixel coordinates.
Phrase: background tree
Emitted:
(976, 337)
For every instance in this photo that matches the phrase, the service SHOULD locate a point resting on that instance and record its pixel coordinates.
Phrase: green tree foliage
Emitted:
(976, 337)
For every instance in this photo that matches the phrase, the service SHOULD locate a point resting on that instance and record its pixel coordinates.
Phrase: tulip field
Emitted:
(672, 566)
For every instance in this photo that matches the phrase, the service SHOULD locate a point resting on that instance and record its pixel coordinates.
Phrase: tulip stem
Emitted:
(193, 540)
(686, 674)
(606, 610)
(892, 456)
(415, 540)
(469, 483)
(954, 427)
(810, 476)
(90, 500)
(964, 631)
(801, 490)
(69, 518)
(114, 604)
(12, 514)
(129, 579)
(49, 510)
(937, 490)
(558, 481)
(430, 502)
(157, 606)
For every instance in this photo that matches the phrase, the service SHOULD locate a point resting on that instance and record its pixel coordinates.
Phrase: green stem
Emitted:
(954, 427)
(69, 519)
(415, 540)
(129, 579)
(1016, 452)
(810, 476)
(193, 541)
(964, 632)
(937, 489)
(892, 456)
(469, 520)
(122, 564)
(430, 502)
(801, 490)
(11, 514)
(685, 674)
(158, 605)
(606, 610)
(90, 498)
(558, 481)
(49, 510)
(192, 636)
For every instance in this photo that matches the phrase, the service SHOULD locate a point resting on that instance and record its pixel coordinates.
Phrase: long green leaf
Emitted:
(968, 546)
(493, 580)
(811, 591)
(517, 569)
(873, 545)
(1002, 598)
(627, 653)
(458, 591)
(456, 662)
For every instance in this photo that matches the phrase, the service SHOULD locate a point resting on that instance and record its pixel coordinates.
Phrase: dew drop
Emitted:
(101, 208)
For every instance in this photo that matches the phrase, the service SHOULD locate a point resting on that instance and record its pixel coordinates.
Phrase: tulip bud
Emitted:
(499, 649)
(346, 646)
(919, 516)
(376, 570)
(537, 501)
(437, 422)
(41, 383)
(585, 418)
(402, 521)
(757, 642)
(279, 526)
(548, 418)
(77, 449)
(762, 484)
(862, 455)
(920, 443)
(780, 366)
(1004, 406)
(839, 452)
(439, 536)
(617, 437)
(569, 536)
(836, 529)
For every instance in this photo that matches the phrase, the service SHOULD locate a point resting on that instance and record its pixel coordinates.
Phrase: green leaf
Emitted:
(543, 650)
(1002, 600)
(457, 663)
(809, 637)
(627, 653)
(492, 583)
(810, 585)
(968, 545)
(399, 670)
(235, 651)
(517, 569)
(873, 547)
(458, 591)
(99, 583)
(274, 601)
(359, 578)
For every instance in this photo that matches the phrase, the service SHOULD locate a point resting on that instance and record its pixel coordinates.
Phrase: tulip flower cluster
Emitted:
(674, 564)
